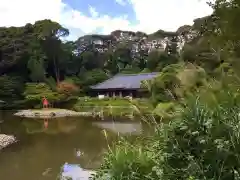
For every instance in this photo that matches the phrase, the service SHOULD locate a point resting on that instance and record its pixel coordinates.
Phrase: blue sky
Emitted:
(110, 7)
(104, 16)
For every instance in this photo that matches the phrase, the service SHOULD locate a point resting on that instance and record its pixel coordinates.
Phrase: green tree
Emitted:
(152, 60)
(92, 77)
(49, 34)
(89, 60)
(72, 62)
(11, 88)
(36, 66)
(123, 55)
(36, 63)
(226, 15)
(34, 92)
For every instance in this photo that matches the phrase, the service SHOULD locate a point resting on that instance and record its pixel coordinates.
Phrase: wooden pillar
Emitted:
(131, 94)
(120, 93)
(113, 93)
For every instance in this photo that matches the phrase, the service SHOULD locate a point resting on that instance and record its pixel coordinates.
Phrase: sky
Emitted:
(83, 17)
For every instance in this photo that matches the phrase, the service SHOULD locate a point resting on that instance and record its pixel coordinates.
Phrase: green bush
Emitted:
(11, 88)
(113, 106)
(127, 161)
(34, 92)
(201, 143)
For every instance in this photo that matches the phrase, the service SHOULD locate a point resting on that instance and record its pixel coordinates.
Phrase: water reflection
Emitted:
(49, 126)
(75, 172)
(45, 145)
(134, 128)
(45, 123)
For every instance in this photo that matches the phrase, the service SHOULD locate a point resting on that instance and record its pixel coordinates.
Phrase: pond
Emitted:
(46, 145)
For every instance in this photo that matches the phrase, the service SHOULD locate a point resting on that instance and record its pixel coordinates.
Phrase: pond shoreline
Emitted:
(58, 113)
(75, 140)
(51, 113)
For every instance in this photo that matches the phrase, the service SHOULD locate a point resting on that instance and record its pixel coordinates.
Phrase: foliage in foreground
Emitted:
(127, 161)
(203, 143)
(112, 106)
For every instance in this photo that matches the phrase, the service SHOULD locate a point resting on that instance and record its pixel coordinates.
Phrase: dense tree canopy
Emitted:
(35, 53)
(197, 99)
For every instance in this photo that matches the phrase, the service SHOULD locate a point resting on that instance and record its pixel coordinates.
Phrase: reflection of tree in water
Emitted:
(10, 124)
(66, 137)
(40, 148)
(54, 126)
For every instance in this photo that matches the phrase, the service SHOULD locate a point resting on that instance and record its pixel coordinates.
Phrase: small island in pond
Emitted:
(49, 113)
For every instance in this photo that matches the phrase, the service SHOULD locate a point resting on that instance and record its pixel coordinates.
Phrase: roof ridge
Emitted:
(135, 74)
(103, 82)
(119, 75)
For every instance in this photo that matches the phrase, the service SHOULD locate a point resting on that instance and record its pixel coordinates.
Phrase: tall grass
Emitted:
(119, 107)
(202, 143)
(123, 158)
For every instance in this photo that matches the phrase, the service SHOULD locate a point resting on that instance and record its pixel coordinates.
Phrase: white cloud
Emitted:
(75, 19)
(93, 12)
(168, 14)
(151, 15)
(20, 12)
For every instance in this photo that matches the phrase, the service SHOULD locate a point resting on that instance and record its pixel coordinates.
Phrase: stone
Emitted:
(6, 140)
(50, 113)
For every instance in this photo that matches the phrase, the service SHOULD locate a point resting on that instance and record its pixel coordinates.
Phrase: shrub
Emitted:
(11, 88)
(67, 88)
(203, 143)
(34, 92)
(200, 143)
(126, 162)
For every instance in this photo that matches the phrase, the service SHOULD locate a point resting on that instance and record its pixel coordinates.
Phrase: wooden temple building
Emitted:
(123, 85)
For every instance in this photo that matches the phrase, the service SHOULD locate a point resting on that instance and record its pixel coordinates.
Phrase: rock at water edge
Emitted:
(6, 140)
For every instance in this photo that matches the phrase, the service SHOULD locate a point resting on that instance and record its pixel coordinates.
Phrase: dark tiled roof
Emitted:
(125, 81)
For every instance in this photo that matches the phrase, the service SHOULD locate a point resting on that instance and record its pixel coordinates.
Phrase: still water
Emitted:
(44, 148)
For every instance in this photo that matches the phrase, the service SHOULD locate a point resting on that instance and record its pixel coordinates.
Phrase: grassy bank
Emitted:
(201, 143)
(113, 106)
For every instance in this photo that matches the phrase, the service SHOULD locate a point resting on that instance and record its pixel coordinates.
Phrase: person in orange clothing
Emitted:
(45, 102)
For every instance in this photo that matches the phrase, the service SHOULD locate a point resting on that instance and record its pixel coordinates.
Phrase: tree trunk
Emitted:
(56, 70)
